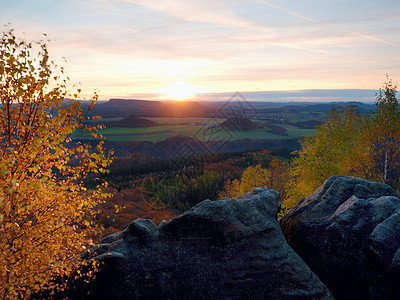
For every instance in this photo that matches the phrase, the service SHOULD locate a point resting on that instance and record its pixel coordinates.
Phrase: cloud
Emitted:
(206, 11)
(315, 21)
(221, 13)
(140, 46)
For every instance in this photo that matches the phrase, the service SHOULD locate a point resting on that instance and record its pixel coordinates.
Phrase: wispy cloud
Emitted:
(315, 21)
(126, 47)
(206, 11)
(221, 13)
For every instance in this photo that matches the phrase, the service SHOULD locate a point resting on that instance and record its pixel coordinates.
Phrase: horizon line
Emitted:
(302, 95)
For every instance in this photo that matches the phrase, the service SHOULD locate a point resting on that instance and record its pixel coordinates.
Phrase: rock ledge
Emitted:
(229, 249)
(348, 232)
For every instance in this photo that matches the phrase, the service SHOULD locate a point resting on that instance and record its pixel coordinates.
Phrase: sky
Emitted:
(209, 49)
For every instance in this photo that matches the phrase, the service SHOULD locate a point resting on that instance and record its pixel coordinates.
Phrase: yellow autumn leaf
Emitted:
(39, 207)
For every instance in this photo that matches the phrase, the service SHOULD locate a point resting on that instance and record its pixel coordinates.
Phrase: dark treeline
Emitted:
(175, 146)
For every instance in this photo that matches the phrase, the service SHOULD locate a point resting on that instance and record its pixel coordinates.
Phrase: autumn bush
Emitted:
(44, 207)
(274, 177)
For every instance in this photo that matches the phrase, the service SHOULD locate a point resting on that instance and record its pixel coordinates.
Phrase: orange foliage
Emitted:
(43, 203)
(275, 177)
(128, 205)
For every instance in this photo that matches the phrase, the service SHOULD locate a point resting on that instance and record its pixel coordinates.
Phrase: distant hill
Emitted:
(318, 107)
(133, 121)
(239, 123)
(151, 108)
(147, 108)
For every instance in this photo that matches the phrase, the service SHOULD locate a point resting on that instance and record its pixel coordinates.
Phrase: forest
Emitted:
(181, 183)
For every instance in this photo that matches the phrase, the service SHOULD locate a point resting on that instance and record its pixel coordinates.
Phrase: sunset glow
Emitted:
(181, 91)
(149, 49)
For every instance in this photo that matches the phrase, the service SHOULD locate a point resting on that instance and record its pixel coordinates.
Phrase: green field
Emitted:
(193, 127)
(294, 131)
(152, 134)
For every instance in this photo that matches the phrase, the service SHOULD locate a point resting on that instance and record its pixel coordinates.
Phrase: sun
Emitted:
(181, 91)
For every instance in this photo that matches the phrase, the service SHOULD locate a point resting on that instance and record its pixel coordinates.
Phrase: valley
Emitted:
(170, 156)
(156, 121)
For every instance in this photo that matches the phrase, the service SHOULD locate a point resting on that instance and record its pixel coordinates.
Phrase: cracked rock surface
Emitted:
(228, 249)
(348, 233)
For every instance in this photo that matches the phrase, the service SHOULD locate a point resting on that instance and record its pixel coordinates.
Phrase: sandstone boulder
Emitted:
(229, 249)
(348, 232)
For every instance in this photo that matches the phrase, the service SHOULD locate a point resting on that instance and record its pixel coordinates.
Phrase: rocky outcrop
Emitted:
(229, 249)
(348, 232)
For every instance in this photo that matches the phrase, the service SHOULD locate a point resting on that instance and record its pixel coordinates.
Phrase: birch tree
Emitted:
(351, 144)
(337, 148)
(44, 207)
(383, 135)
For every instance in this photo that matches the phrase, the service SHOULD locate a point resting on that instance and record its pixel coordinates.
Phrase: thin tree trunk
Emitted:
(385, 170)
